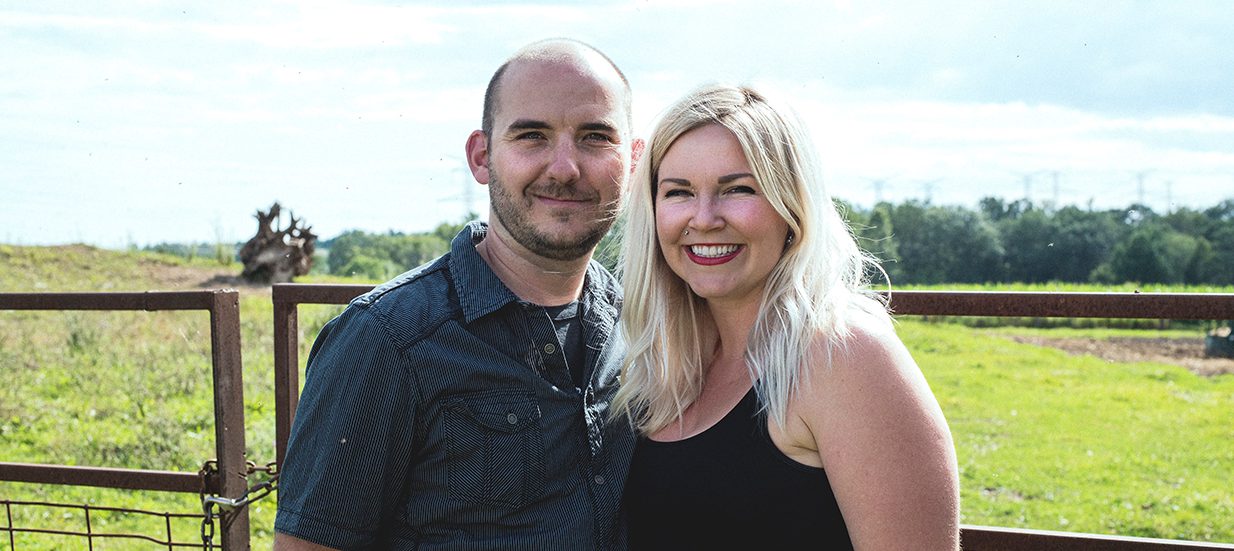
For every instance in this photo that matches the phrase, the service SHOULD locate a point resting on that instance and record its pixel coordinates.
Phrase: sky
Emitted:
(134, 123)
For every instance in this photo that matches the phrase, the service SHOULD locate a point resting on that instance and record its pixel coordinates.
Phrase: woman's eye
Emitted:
(676, 193)
(741, 189)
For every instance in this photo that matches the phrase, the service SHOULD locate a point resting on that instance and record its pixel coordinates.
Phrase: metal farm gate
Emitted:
(224, 483)
(288, 296)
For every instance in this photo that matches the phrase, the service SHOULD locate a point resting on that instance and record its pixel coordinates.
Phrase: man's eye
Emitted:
(530, 136)
(598, 137)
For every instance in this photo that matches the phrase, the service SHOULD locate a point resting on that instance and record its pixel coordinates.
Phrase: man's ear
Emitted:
(636, 153)
(477, 156)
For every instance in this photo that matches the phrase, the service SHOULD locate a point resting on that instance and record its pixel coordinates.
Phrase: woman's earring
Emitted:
(687, 232)
(788, 240)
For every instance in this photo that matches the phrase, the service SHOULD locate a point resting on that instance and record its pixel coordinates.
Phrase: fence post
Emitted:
(286, 369)
(229, 413)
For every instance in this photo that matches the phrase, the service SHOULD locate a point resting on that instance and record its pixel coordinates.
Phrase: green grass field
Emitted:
(1045, 440)
(1051, 441)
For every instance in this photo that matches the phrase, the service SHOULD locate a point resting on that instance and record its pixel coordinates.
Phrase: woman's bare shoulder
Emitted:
(867, 346)
(882, 437)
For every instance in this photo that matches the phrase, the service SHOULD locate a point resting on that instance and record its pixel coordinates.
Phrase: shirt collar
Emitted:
(481, 292)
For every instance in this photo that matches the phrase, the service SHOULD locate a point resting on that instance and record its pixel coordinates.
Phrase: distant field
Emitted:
(1054, 441)
(1045, 439)
(1056, 287)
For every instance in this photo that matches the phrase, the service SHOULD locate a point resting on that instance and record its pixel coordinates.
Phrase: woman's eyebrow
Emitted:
(736, 176)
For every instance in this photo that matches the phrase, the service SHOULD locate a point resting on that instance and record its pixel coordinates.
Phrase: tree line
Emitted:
(1019, 241)
(381, 256)
(922, 243)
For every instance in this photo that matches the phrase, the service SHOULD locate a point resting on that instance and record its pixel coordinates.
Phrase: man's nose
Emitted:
(563, 164)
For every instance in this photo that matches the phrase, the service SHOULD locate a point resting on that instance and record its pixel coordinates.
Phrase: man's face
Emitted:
(557, 158)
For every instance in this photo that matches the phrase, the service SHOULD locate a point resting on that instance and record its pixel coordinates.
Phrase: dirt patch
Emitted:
(173, 277)
(1188, 353)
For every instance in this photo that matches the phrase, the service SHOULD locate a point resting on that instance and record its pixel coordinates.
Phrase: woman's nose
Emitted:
(706, 215)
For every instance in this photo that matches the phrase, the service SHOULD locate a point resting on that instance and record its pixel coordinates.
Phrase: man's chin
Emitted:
(570, 246)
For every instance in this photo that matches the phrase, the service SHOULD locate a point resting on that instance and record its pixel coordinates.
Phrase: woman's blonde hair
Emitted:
(818, 280)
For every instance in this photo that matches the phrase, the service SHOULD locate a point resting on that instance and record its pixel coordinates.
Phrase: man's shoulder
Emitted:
(604, 284)
(414, 303)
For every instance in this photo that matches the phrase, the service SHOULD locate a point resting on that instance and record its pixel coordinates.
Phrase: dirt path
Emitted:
(1188, 353)
(176, 277)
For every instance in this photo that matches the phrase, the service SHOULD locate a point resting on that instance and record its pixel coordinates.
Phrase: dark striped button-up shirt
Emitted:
(433, 417)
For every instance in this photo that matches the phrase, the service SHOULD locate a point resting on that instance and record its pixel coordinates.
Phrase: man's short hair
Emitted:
(536, 50)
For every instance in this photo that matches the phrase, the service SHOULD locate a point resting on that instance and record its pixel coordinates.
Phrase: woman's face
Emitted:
(715, 226)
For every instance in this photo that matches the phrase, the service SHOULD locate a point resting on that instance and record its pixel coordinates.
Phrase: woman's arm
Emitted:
(882, 438)
(284, 542)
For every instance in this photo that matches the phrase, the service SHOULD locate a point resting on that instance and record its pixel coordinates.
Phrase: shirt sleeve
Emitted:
(351, 441)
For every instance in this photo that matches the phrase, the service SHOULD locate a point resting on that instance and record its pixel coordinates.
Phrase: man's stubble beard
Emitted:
(513, 213)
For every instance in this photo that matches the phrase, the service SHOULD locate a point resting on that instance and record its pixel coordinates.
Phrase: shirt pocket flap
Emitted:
(508, 414)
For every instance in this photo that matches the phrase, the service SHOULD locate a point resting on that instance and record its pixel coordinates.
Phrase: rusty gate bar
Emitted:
(102, 477)
(227, 375)
(1174, 306)
(983, 538)
(286, 298)
(148, 300)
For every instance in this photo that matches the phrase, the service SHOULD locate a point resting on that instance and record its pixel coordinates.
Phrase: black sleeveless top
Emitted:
(729, 487)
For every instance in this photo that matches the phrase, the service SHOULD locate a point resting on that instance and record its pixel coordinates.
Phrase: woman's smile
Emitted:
(711, 255)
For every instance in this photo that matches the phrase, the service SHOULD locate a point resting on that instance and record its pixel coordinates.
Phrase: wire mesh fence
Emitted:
(40, 525)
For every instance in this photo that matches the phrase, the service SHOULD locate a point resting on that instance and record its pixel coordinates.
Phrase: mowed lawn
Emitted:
(1053, 441)
(1045, 440)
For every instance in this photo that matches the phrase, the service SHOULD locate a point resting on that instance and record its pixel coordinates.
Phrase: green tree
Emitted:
(608, 251)
(447, 230)
(1217, 266)
(1029, 243)
(345, 248)
(945, 245)
(359, 252)
(877, 237)
(368, 267)
(1217, 263)
(996, 210)
(1084, 241)
(1152, 253)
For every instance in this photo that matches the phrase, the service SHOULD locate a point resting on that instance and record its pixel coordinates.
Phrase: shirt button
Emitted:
(512, 419)
(599, 479)
(550, 348)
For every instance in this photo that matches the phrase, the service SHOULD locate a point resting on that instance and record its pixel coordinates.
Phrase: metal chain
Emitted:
(208, 469)
(216, 507)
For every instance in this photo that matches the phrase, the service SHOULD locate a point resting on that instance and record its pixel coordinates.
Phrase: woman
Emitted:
(776, 406)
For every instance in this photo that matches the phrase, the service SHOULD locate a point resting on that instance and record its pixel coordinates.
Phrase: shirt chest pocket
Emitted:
(495, 447)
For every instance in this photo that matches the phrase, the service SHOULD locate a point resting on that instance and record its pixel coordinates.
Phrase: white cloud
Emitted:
(329, 25)
(348, 101)
(44, 21)
(960, 152)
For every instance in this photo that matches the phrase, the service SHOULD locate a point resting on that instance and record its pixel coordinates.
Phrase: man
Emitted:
(462, 405)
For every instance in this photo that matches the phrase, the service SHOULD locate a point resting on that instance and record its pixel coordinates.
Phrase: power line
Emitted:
(1139, 186)
(879, 184)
